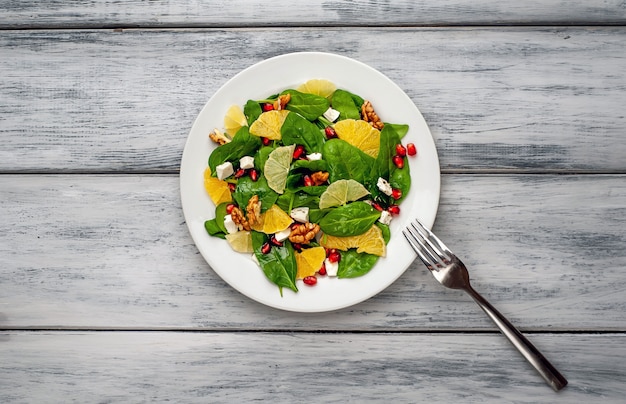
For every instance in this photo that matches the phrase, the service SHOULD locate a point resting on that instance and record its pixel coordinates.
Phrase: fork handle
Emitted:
(526, 348)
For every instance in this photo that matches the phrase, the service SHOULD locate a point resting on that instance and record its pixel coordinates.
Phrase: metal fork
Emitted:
(452, 273)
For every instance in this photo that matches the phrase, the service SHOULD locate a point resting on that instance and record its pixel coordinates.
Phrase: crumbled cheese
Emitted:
(314, 156)
(282, 235)
(246, 162)
(384, 186)
(331, 267)
(231, 227)
(300, 214)
(331, 114)
(385, 217)
(224, 170)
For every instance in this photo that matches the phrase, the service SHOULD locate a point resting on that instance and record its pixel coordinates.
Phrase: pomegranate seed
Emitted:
(398, 161)
(394, 209)
(294, 225)
(240, 173)
(330, 132)
(232, 187)
(334, 257)
(229, 208)
(275, 242)
(266, 141)
(330, 251)
(400, 150)
(268, 107)
(297, 247)
(377, 206)
(254, 174)
(308, 182)
(298, 152)
(266, 248)
(396, 193)
(310, 280)
(322, 270)
(411, 150)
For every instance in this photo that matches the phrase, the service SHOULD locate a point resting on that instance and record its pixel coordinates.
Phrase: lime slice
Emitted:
(341, 192)
(234, 120)
(276, 167)
(240, 241)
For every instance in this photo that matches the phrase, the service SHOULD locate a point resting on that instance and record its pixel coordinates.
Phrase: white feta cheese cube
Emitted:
(300, 214)
(314, 156)
(384, 186)
(224, 170)
(331, 114)
(282, 235)
(231, 227)
(246, 162)
(331, 267)
(385, 217)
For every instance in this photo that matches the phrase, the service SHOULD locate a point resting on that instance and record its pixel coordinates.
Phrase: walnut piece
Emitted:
(369, 115)
(282, 101)
(304, 232)
(319, 177)
(240, 219)
(218, 137)
(253, 210)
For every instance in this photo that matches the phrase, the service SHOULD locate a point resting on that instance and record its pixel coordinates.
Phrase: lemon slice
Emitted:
(268, 124)
(273, 220)
(321, 87)
(371, 242)
(217, 189)
(276, 167)
(359, 134)
(240, 241)
(234, 120)
(342, 191)
(309, 261)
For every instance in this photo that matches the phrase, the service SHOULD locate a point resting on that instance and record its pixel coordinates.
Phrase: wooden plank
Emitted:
(529, 99)
(100, 252)
(85, 13)
(302, 367)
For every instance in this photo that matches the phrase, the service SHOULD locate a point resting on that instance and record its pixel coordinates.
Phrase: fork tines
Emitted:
(433, 253)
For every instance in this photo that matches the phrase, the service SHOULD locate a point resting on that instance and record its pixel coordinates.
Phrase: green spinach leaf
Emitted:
(349, 220)
(348, 106)
(298, 130)
(354, 264)
(346, 161)
(252, 110)
(246, 189)
(213, 229)
(279, 265)
(309, 106)
(243, 144)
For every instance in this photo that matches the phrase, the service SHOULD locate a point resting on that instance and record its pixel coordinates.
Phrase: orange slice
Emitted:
(273, 220)
(234, 120)
(309, 261)
(371, 242)
(268, 124)
(321, 87)
(359, 134)
(217, 189)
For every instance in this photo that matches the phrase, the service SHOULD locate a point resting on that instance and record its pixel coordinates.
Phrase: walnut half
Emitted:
(369, 115)
(303, 233)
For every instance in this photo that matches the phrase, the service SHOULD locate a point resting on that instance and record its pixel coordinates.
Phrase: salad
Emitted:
(307, 182)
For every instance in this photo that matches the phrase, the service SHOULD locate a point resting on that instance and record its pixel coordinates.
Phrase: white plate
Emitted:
(272, 76)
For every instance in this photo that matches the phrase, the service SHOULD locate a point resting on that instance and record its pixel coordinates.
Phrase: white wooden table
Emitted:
(105, 298)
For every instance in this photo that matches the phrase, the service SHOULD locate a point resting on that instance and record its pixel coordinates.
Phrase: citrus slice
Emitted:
(268, 124)
(342, 191)
(276, 167)
(309, 261)
(217, 189)
(321, 87)
(234, 120)
(273, 220)
(240, 241)
(371, 242)
(359, 134)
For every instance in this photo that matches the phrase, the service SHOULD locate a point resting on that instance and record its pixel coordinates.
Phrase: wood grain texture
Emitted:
(521, 99)
(302, 367)
(113, 252)
(235, 13)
